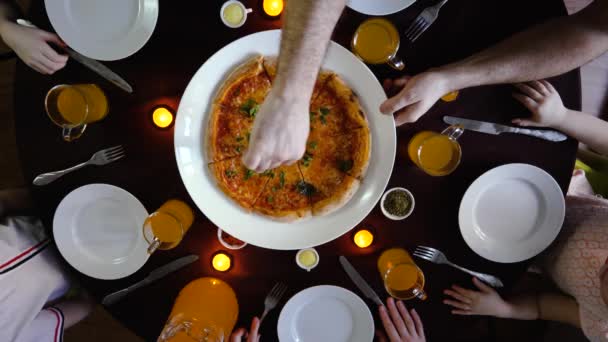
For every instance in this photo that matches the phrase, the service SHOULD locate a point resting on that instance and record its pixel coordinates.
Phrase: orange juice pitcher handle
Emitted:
(396, 63)
(420, 294)
(453, 132)
(71, 133)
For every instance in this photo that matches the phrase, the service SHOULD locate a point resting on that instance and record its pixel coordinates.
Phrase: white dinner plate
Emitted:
(325, 313)
(379, 7)
(190, 132)
(512, 213)
(98, 230)
(106, 30)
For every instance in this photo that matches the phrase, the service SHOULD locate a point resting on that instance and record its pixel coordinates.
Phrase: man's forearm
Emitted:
(546, 50)
(587, 129)
(306, 33)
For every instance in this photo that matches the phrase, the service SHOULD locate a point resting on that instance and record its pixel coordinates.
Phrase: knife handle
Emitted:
(545, 134)
(113, 298)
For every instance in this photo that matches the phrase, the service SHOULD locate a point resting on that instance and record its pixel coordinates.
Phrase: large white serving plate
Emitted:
(379, 7)
(190, 133)
(325, 313)
(104, 29)
(98, 230)
(511, 213)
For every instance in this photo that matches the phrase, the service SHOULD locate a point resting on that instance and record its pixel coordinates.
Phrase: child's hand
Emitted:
(486, 302)
(543, 101)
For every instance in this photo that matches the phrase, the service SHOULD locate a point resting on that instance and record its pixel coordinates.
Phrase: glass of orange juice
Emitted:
(436, 154)
(73, 107)
(205, 310)
(402, 278)
(165, 228)
(376, 41)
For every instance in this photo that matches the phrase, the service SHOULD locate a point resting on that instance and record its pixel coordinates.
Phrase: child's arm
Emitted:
(75, 310)
(548, 110)
(487, 302)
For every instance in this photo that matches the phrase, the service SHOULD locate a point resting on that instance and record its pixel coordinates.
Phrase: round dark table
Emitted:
(189, 32)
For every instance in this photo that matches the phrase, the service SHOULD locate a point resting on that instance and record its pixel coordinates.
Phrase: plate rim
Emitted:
(377, 11)
(81, 266)
(328, 288)
(147, 18)
(184, 139)
(467, 228)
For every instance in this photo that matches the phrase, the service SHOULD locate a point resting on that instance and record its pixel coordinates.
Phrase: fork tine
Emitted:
(110, 154)
(421, 256)
(430, 255)
(113, 159)
(430, 249)
(112, 149)
(421, 32)
(413, 27)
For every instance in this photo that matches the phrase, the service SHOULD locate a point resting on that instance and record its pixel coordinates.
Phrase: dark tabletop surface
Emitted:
(189, 32)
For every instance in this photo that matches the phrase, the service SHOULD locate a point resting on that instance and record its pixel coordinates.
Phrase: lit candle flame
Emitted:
(363, 238)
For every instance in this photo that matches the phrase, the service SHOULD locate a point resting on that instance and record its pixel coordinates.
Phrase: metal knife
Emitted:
(90, 63)
(493, 128)
(152, 277)
(359, 281)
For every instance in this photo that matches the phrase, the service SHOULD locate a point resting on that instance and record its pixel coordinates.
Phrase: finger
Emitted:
(251, 160)
(275, 164)
(410, 114)
(396, 102)
(407, 319)
(539, 87)
(526, 101)
(458, 296)
(253, 332)
(417, 322)
(51, 54)
(461, 312)
(237, 336)
(528, 90)
(388, 324)
(263, 166)
(482, 286)
(291, 162)
(549, 86)
(51, 37)
(381, 336)
(396, 318)
(463, 291)
(39, 67)
(525, 122)
(457, 305)
(401, 81)
(50, 65)
(387, 85)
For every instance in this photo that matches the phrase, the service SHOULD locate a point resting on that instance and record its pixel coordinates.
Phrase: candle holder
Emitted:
(163, 117)
(221, 261)
(363, 237)
(273, 8)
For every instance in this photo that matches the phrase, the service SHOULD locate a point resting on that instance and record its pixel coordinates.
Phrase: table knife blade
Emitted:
(90, 63)
(152, 277)
(359, 281)
(494, 128)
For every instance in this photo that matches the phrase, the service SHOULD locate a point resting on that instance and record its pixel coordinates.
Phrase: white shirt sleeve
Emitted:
(47, 326)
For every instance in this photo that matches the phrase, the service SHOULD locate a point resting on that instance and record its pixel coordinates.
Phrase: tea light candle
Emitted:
(221, 262)
(162, 117)
(273, 7)
(363, 238)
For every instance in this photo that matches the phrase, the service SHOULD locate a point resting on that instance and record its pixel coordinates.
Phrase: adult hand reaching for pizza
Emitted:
(411, 97)
(279, 133)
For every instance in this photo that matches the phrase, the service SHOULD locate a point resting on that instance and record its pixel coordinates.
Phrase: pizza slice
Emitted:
(336, 109)
(270, 65)
(353, 152)
(282, 199)
(237, 182)
(245, 88)
(228, 134)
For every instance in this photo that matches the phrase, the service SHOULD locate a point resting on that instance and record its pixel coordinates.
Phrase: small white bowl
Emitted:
(226, 244)
(246, 11)
(393, 217)
(307, 268)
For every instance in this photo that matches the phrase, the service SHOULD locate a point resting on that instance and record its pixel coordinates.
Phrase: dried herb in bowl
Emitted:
(398, 203)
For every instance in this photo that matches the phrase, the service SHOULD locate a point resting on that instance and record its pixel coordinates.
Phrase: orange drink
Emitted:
(205, 310)
(376, 41)
(402, 278)
(436, 154)
(72, 107)
(165, 228)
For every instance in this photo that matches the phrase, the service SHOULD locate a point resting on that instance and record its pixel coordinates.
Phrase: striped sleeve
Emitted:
(46, 327)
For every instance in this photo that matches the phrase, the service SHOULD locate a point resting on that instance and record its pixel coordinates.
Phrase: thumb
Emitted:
(237, 336)
(525, 122)
(51, 37)
(396, 102)
(483, 287)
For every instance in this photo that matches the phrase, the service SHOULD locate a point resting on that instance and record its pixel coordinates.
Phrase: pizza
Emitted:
(337, 151)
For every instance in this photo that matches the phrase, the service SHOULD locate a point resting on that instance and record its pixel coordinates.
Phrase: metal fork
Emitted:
(273, 298)
(423, 21)
(436, 256)
(102, 157)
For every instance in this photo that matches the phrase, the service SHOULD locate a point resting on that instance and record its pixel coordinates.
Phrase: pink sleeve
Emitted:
(46, 327)
(594, 327)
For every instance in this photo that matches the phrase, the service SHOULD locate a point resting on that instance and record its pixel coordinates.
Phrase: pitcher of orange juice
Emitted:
(205, 310)
(437, 154)
(165, 228)
(73, 107)
(402, 278)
